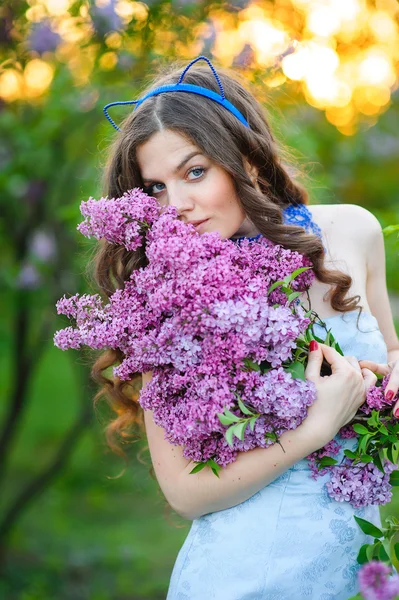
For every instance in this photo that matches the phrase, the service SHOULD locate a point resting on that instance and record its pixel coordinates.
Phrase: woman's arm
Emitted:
(200, 493)
(192, 495)
(376, 290)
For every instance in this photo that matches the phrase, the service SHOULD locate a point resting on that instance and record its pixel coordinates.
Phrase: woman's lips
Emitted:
(200, 226)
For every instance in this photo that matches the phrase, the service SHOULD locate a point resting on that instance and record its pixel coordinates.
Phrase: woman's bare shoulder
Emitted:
(349, 215)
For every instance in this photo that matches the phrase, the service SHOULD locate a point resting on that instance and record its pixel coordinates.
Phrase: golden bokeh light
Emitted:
(38, 76)
(341, 55)
(11, 85)
(108, 61)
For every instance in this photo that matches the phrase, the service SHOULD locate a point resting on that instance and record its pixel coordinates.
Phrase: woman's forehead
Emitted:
(165, 150)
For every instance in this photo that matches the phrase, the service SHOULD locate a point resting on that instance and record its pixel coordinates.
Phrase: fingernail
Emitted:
(313, 345)
(389, 395)
(397, 413)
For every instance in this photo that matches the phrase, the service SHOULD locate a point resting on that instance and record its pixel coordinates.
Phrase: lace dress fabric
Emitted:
(290, 540)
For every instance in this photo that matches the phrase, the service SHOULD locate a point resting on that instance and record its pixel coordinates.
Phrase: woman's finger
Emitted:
(354, 362)
(313, 368)
(369, 377)
(334, 358)
(379, 368)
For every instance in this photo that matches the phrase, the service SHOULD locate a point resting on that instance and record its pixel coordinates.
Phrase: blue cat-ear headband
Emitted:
(185, 87)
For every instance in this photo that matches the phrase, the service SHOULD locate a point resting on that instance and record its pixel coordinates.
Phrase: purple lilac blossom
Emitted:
(375, 399)
(43, 38)
(361, 484)
(375, 582)
(116, 220)
(105, 18)
(193, 316)
(43, 245)
(28, 277)
(331, 449)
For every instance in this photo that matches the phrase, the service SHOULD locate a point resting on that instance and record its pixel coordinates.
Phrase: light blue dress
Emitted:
(290, 540)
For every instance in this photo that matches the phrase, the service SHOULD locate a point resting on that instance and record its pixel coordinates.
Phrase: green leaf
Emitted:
(231, 415)
(275, 285)
(396, 550)
(394, 478)
(215, 472)
(295, 274)
(327, 461)
(239, 430)
(297, 370)
(338, 348)
(294, 295)
(318, 339)
(373, 420)
(366, 458)
(243, 408)
(252, 423)
(378, 462)
(199, 467)
(382, 554)
(383, 428)
(225, 420)
(350, 454)
(359, 428)
(229, 435)
(362, 556)
(368, 528)
(250, 364)
(213, 464)
(370, 552)
(364, 442)
(390, 229)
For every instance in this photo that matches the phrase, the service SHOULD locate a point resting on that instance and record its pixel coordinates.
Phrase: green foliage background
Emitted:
(90, 535)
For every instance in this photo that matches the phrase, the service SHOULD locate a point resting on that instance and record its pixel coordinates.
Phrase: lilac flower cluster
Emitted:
(376, 581)
(194, 316)
(201, 318)
(361, 484)
(331, 449)
(375, 399)
(120, 220)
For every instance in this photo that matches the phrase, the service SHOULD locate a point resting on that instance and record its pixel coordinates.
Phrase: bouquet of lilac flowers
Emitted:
(220, 327)
(207, 318)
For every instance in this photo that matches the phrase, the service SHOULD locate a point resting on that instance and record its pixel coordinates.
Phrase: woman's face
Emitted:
(176, 172)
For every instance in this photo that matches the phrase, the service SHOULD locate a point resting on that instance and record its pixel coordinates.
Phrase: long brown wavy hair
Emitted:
(221, 137)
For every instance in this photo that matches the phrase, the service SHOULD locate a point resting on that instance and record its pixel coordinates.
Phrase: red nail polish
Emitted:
(389, 395)
(397, 413)
(313, 345)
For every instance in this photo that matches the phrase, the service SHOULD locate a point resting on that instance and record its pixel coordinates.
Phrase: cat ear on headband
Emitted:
(187, 88)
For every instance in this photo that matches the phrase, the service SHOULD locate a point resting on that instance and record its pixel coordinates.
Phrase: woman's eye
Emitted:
(157, 188)
(152, 189)
(197, 171)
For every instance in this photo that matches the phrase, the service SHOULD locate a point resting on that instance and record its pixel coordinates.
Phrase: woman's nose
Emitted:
(179, 198)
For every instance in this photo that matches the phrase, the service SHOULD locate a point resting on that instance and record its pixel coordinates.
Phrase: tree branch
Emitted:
(38, 484)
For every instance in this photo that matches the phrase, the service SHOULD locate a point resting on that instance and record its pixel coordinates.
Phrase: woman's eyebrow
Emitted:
(181, 164)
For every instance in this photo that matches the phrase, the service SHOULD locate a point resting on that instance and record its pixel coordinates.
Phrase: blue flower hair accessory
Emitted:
(187, 88)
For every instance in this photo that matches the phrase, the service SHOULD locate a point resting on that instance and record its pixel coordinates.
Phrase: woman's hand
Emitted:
(392, 369)
(339, 395)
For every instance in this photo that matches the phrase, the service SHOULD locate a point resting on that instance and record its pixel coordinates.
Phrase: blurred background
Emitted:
(326, 72)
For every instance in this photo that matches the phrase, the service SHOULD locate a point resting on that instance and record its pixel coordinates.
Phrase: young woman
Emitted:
(265, 529)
